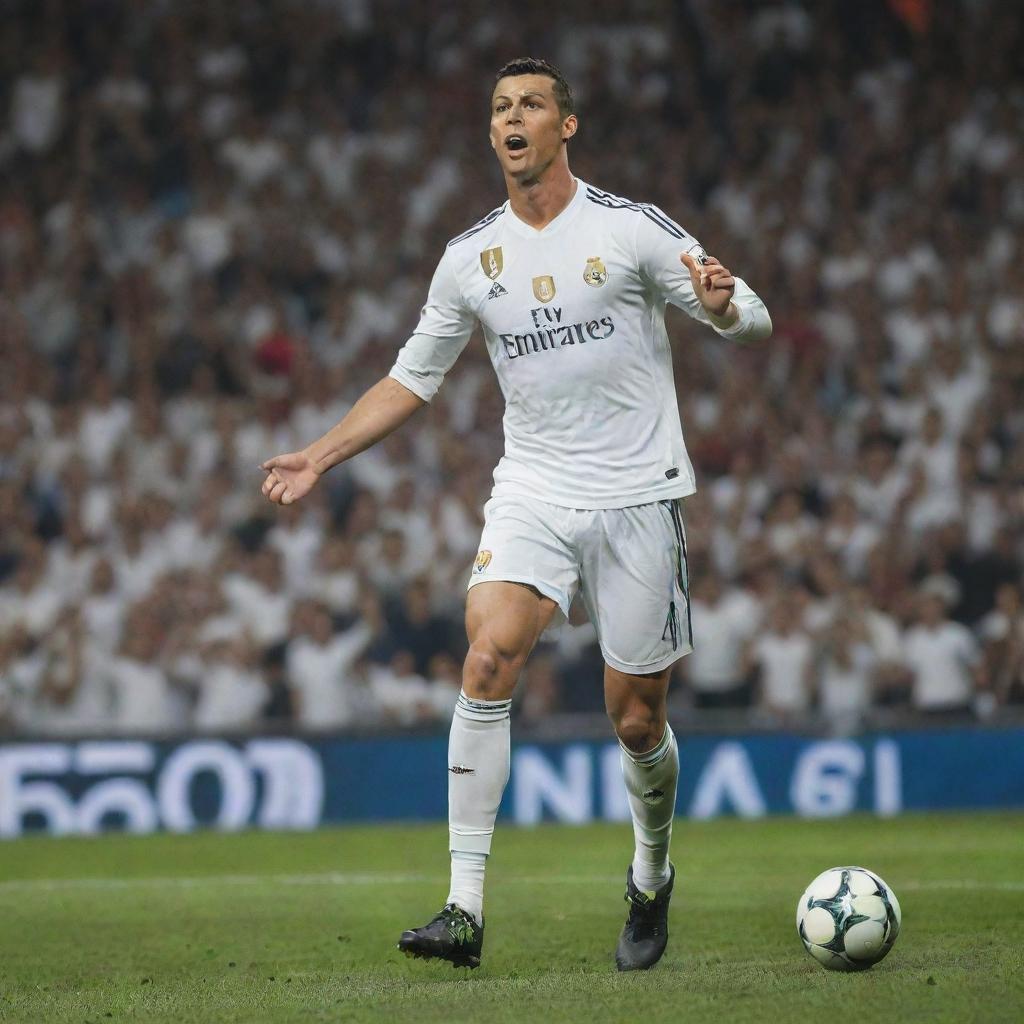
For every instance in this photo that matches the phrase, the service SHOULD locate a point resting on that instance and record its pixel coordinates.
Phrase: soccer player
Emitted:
(570, 284)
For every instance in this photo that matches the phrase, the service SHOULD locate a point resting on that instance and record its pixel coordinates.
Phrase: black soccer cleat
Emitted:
(452, 935)
(645, 933)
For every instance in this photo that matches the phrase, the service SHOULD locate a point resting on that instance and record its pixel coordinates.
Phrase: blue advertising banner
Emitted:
(289, 783)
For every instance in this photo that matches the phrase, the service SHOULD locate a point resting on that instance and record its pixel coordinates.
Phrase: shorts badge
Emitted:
(595, 273)
(544, 288)
(491, 262)
(483, 559)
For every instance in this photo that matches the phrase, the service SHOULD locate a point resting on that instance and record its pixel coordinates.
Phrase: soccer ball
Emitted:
(848, 919)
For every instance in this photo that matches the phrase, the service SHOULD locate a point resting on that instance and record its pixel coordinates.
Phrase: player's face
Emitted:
(527, 131)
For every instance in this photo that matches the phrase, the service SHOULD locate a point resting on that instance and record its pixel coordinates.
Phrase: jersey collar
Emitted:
(558, 224)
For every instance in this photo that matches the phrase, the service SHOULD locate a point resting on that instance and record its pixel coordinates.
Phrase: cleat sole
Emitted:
(471, 962)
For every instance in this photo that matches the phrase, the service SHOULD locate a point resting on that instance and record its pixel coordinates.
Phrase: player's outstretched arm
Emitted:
(383, 409)
(724, 301)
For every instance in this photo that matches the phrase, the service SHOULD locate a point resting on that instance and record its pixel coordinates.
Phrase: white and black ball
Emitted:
(848, 919)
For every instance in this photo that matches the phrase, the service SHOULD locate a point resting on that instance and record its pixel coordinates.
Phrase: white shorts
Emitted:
(629, 564)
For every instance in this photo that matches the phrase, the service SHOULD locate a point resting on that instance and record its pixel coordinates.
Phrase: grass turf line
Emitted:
(302, 927)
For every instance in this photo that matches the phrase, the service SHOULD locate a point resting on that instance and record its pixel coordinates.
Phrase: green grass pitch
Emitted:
(302, 927)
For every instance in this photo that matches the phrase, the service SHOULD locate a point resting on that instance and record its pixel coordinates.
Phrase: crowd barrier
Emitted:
(92, 785)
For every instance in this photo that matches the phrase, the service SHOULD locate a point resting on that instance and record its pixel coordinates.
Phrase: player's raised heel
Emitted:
(451, 935)
(645, 933)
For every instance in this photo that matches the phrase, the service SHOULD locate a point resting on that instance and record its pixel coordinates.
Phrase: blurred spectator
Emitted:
(232, 694)
(1001, 633)
(783, 656)
(942, 656)
(414, 628)
(445, 676)
(403, 696)
(28, 601)
(847, 671)
(256, 594)
(103, 608)
(539, 694)
(724, 620)
(318, 663)
(70, 696)
(142, 695)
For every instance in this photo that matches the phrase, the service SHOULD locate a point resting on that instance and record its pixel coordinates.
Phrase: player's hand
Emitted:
(713, 284)
(289, 477)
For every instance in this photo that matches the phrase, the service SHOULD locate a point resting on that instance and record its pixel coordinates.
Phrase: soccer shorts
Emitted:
(628, 564)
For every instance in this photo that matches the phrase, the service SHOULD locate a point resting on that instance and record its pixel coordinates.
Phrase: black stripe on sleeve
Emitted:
(652, 213)
(478, 226)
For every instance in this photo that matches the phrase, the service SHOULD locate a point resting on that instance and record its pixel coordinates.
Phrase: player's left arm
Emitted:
(676, 265)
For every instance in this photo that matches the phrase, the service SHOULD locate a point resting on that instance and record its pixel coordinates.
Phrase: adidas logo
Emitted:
(496, 291)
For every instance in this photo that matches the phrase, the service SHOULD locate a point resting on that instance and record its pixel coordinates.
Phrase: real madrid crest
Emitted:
(595, 273)
(483, 559)
(491, 262)
(544, 288)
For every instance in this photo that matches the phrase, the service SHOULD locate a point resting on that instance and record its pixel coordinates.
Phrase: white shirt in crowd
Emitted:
(879, 500)
(317, 673)
(187, 546)
(852, 544)
(846, 690)
(784, 663)
(298, 544)
(142, 697)
(405, 697)
(102, 429)
(36, 111)
(720, 633)
(264, 613)
(103, 617)
(573, 319)
(137, 572)
(884, 635)
(69, 571)
(229, 697)
(338, 590)
(942, 659)
(86, 709)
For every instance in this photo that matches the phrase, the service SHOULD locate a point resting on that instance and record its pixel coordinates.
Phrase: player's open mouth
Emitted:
(515, 142)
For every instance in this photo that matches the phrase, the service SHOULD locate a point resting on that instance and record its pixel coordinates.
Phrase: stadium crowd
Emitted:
(217, 224)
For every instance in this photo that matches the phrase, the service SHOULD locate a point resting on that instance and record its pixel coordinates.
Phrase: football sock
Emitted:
(651, 785)
(478, 768)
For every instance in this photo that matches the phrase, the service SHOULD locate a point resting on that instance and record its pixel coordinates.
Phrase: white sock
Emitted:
(478, 767)
(651, 785)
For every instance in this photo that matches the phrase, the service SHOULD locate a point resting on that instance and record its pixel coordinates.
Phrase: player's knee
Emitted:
(487, 675)
(639, 729)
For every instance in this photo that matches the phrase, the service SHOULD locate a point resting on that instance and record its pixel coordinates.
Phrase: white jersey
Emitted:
(574, 320)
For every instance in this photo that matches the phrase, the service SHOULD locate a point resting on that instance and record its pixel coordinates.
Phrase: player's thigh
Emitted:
(635, 585)
(503, 622)
(511, 615)
(529, 542)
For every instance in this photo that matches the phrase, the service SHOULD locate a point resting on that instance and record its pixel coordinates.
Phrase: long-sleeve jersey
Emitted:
(573, 316)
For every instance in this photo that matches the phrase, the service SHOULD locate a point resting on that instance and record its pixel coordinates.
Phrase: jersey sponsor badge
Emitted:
(544, 288)
(595, 273)
(483, 559)
(492, 262)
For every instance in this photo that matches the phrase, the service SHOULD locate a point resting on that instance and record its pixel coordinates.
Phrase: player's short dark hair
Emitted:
(537, 66)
